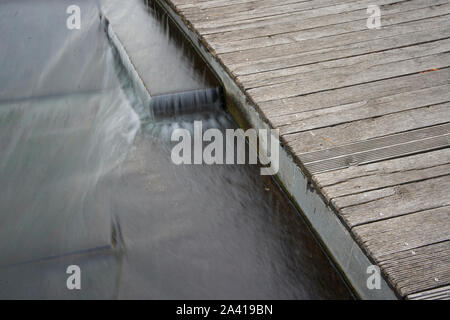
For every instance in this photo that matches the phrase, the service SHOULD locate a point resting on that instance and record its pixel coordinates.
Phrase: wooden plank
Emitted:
(361, 130)
(371, 156)
(394, 201)
(366, 109)
(442, 293)
(355, 11)
(243, 57)
(377, 143)
(279, 111)
(358, 64)
(326, 11)
(417, 270)
(259, 22)
(229, 7)
(326, 31)
(202, 5)
(344, 77)
(404, 233)
(347, 51)
(186, 6)
(383, 174)
(202, 20)
(270, 27)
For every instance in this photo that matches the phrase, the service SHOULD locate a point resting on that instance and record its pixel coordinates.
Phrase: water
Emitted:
(186, 102)
(177, 67)
(86, 178)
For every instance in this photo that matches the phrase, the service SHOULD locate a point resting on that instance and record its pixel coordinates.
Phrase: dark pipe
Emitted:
(188, 102)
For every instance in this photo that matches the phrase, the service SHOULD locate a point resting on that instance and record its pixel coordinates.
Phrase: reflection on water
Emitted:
(84, 182)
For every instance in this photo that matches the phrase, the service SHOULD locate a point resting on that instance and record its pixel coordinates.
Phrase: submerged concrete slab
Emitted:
(58, 95)
(56, 201)
(153, 46)
(50, 59)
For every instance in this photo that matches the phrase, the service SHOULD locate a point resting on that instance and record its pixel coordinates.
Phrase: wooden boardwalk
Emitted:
(364, 112)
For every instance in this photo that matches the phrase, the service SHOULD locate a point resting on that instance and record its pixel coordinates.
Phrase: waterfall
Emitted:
(184, 103)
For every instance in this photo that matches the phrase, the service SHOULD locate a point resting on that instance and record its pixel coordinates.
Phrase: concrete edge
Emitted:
(347, 255)
(139, 85)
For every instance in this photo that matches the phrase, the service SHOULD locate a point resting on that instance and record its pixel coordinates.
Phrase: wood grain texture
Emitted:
(405, 232)
(417, 270)
(366, 207)
(378, 175)
(314, 33)
(284, 110)
(249, 56)
(442, 293)
(361, 130)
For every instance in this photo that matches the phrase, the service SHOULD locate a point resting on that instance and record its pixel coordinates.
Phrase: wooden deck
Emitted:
(364, 112)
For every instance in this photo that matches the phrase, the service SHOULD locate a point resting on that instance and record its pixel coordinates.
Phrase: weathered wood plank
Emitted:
(417, 270)
(230, 7)
(384, 174)
(279, 111)
(192, 6)
(442, 293)
(343, 77)
(347, 51)
(366, 109)
(244, 57)
(264, 22)
(404, 233)
(394, 201)
(217, 18)
(358, 64)
(375, 155)
(326, 31)
(376, 143)
(355, 11)
(361, 130)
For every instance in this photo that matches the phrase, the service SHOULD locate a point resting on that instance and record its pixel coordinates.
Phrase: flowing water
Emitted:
(86, 176)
